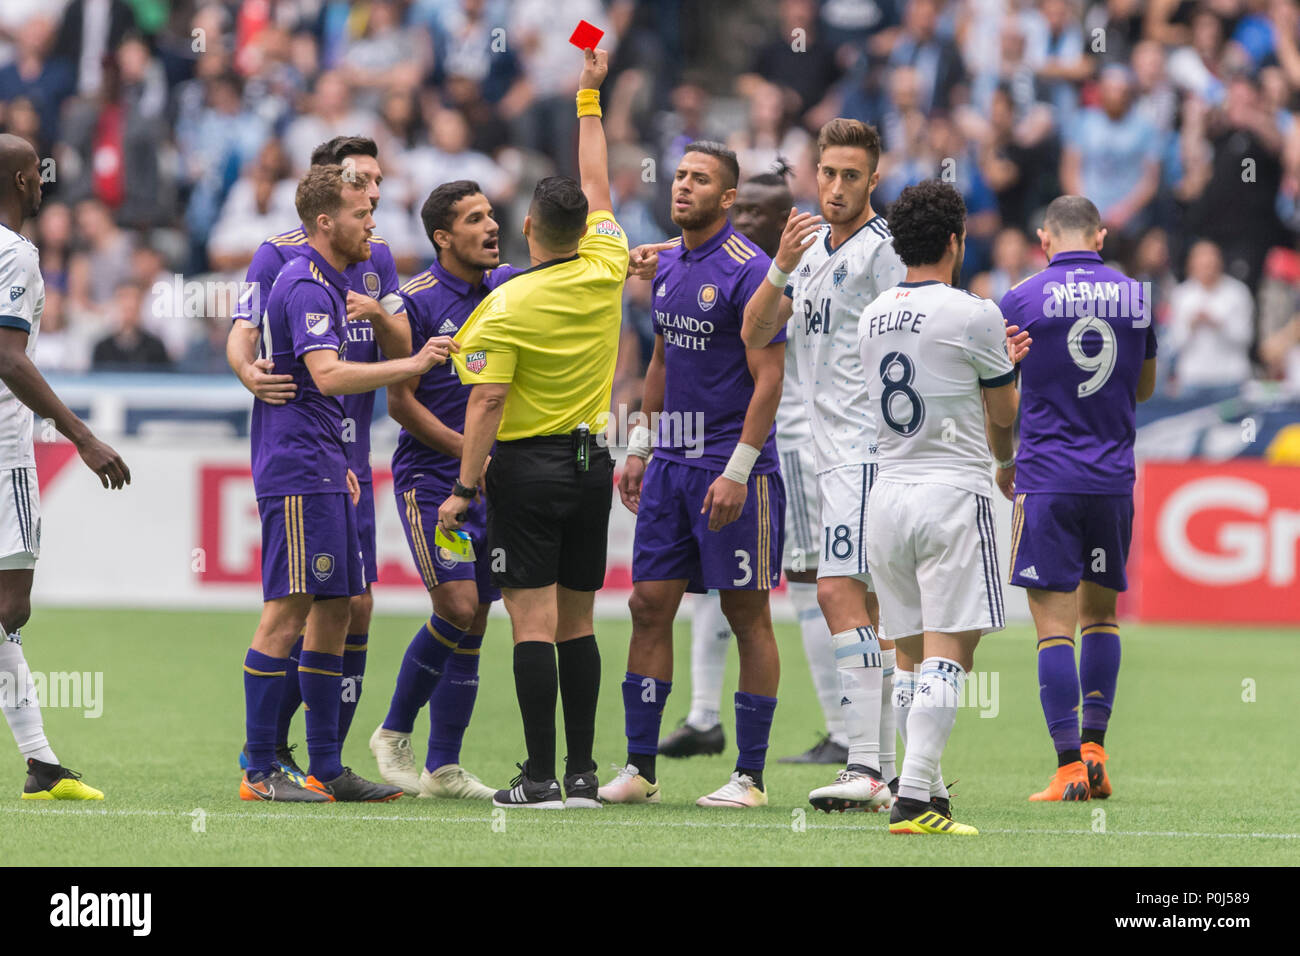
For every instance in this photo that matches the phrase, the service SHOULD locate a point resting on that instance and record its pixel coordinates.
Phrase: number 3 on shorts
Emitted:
(745, 570)
(841, 546)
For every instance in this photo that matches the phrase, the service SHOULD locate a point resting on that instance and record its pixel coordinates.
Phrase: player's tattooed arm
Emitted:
(409, 412)
(769, 308)
(652, 403)
(29, 387)
(392, 332)
(255, 373)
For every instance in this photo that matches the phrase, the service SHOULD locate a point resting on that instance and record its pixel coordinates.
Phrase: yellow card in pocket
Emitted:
(454, 546)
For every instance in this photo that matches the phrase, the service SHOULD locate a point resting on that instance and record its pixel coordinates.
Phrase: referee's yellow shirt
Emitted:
(552, 333)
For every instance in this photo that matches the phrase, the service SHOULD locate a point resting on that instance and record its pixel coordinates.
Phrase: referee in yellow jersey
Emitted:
(540, 353)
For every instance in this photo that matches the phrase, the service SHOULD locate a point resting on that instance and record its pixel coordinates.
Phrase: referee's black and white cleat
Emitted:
(581, 791)
(525, 792)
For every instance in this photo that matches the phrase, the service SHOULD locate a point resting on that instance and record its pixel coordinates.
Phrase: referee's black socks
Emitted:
(579, 661)
(536, 685)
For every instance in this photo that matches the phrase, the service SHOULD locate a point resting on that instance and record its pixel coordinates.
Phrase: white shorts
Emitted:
(20, 519)
(803, 520)
(844, 493)
(934, 559)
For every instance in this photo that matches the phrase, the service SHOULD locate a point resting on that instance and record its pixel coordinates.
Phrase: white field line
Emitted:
(314, 818)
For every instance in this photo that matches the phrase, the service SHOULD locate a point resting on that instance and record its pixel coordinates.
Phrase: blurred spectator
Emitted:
(1153, 267)
(938, 63)
(34, 75)
(331, 114)
(101, 259)
(159, 314)
(90, 31)
(770, 133)
(1012, 262)
(632, 198)
(448, 157)
(260, 204)
(129, 348)
(1210, 325)
(796, 58)
(1016, 157)
(388, 57)
(472, 52)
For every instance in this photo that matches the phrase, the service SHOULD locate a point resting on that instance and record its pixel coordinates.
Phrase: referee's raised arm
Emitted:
(593, 165)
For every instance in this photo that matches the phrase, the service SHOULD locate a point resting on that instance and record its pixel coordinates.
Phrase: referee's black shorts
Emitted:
(548, 522)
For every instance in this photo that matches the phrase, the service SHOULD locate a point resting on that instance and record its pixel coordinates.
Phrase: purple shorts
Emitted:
(310, 546)
(1058, 540)
(418, 508)
(366, 531)
(673, 539)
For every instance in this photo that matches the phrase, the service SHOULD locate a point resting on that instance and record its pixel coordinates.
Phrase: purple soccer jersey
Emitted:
(1078, 384)
(298, 447)
(438, 303)
(699, 305)
(375, 277)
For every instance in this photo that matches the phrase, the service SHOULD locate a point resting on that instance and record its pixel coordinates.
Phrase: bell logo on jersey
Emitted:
(476, 361)
(816, 321)
(16, 291)
(322, 565)
(318, 323)
(708, 295)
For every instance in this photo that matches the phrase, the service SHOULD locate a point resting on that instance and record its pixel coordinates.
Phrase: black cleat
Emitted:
(941, 806)
(535, 794)
(580, 791)
(284, 757)
(824, 751)
(347, 787)
(277, 787)
(687, 741)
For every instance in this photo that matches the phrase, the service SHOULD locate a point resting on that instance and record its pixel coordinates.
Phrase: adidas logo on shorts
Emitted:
(1030, 572)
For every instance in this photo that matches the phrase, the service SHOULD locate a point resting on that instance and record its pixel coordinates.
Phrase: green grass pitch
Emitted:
(1203, 773)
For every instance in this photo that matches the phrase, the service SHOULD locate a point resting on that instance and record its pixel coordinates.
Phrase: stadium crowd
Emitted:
(173, 135)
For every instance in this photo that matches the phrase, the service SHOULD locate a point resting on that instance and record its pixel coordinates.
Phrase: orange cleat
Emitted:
(1094, 757)
(1068, 783)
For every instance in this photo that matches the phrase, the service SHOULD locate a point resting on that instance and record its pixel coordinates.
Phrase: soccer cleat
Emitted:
(284, 760)
(1069, 783)
(52, 781)
(581, 791)
(825, 751)
(941, 806)
(688, 741)
(629, 787)
(1094, 758)
(925, 821)
(739, 791)
(277, 787)
(525, 792)
(852, 790)
(451, 781)
(347, 787)
(392, 750)
(893, 798)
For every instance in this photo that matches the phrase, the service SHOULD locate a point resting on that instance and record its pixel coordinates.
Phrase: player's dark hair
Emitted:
(333, 152)
(853, 133)
(725, 157)
(320, 192)
(439, 210)
(559, 212)
(1073, 215)
(774, 181)
(923, 218)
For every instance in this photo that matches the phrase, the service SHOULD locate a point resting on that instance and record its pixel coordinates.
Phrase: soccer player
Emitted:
(1073, 478)
(709, 515)
(540, 352)
(374, 322)
(938, 364)
(24, 390)
(311, 553)
(442, 659)
(823, 276)
(759, 214)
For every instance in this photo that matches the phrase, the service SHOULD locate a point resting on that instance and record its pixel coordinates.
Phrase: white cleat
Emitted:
(853, 791)
(739, 791)
(629, 787)
(392, 752)
(451, 781)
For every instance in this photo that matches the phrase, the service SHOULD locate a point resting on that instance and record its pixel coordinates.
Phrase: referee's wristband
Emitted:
(639, 442)
(1008, 463)
(588, 103)
(777, 277)
(741, 463)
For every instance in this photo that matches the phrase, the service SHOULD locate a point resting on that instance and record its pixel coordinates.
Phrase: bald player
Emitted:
(24, 390)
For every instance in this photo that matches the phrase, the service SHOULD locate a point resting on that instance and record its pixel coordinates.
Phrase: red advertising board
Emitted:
(1217, 543)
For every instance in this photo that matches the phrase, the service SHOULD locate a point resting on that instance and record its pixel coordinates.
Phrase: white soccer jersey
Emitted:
(22, 300)
(927, 349)
(829, 290)
(792, 428)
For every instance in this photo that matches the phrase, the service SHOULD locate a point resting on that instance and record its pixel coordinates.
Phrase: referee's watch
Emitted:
(462, 491)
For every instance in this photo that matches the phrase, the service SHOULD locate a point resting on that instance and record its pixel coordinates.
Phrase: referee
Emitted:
(540, 353)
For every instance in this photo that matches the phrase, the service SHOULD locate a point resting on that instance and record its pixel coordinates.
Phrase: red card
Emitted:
(586, 35)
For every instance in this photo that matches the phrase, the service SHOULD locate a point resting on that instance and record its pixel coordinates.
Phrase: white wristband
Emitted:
(1005, 464)
(741, 463)
(639, 443)
(777, 277)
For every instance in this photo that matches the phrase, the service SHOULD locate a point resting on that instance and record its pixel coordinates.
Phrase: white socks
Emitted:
(904, 688)
(858, 659)
(821, 657)
(888, 726)
(19, 703)
(710, 636)
(930, 717)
